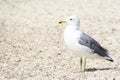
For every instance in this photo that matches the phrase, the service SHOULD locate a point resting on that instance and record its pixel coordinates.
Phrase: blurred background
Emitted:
(31, 40)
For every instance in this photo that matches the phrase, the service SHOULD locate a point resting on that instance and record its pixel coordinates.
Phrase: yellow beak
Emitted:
(62, 21)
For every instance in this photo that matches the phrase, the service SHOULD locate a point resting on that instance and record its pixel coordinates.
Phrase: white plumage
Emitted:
(81, 44)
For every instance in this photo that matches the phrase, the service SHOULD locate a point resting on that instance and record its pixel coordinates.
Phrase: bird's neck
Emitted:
(73, 27)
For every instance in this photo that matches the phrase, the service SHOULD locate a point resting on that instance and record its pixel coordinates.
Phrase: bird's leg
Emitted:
(83, 64)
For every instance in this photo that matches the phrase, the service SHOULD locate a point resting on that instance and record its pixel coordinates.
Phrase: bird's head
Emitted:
(72, 20)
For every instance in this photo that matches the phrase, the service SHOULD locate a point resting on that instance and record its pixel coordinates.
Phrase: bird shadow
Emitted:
(101, 69)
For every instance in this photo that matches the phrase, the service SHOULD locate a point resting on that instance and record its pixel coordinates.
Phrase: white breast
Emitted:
(71, 38)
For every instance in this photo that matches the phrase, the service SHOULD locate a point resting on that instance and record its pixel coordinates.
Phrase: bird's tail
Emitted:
(109, 58)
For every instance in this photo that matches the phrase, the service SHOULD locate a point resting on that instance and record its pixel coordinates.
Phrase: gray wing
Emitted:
(93, 44)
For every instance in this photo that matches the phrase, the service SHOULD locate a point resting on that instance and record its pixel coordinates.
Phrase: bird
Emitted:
(81, 44)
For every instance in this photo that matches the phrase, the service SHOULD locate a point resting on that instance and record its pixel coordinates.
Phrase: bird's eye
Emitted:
(70, 19)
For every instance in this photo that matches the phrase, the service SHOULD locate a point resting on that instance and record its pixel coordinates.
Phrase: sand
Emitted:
(31, 40)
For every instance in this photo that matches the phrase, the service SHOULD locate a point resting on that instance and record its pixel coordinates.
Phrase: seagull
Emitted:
(82, 44)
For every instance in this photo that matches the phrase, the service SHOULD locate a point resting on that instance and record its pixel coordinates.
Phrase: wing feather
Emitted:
(93, 44)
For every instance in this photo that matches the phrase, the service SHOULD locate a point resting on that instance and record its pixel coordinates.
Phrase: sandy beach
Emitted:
(32, 45)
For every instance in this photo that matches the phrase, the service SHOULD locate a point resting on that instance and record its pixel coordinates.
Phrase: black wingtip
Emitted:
(110, 60)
